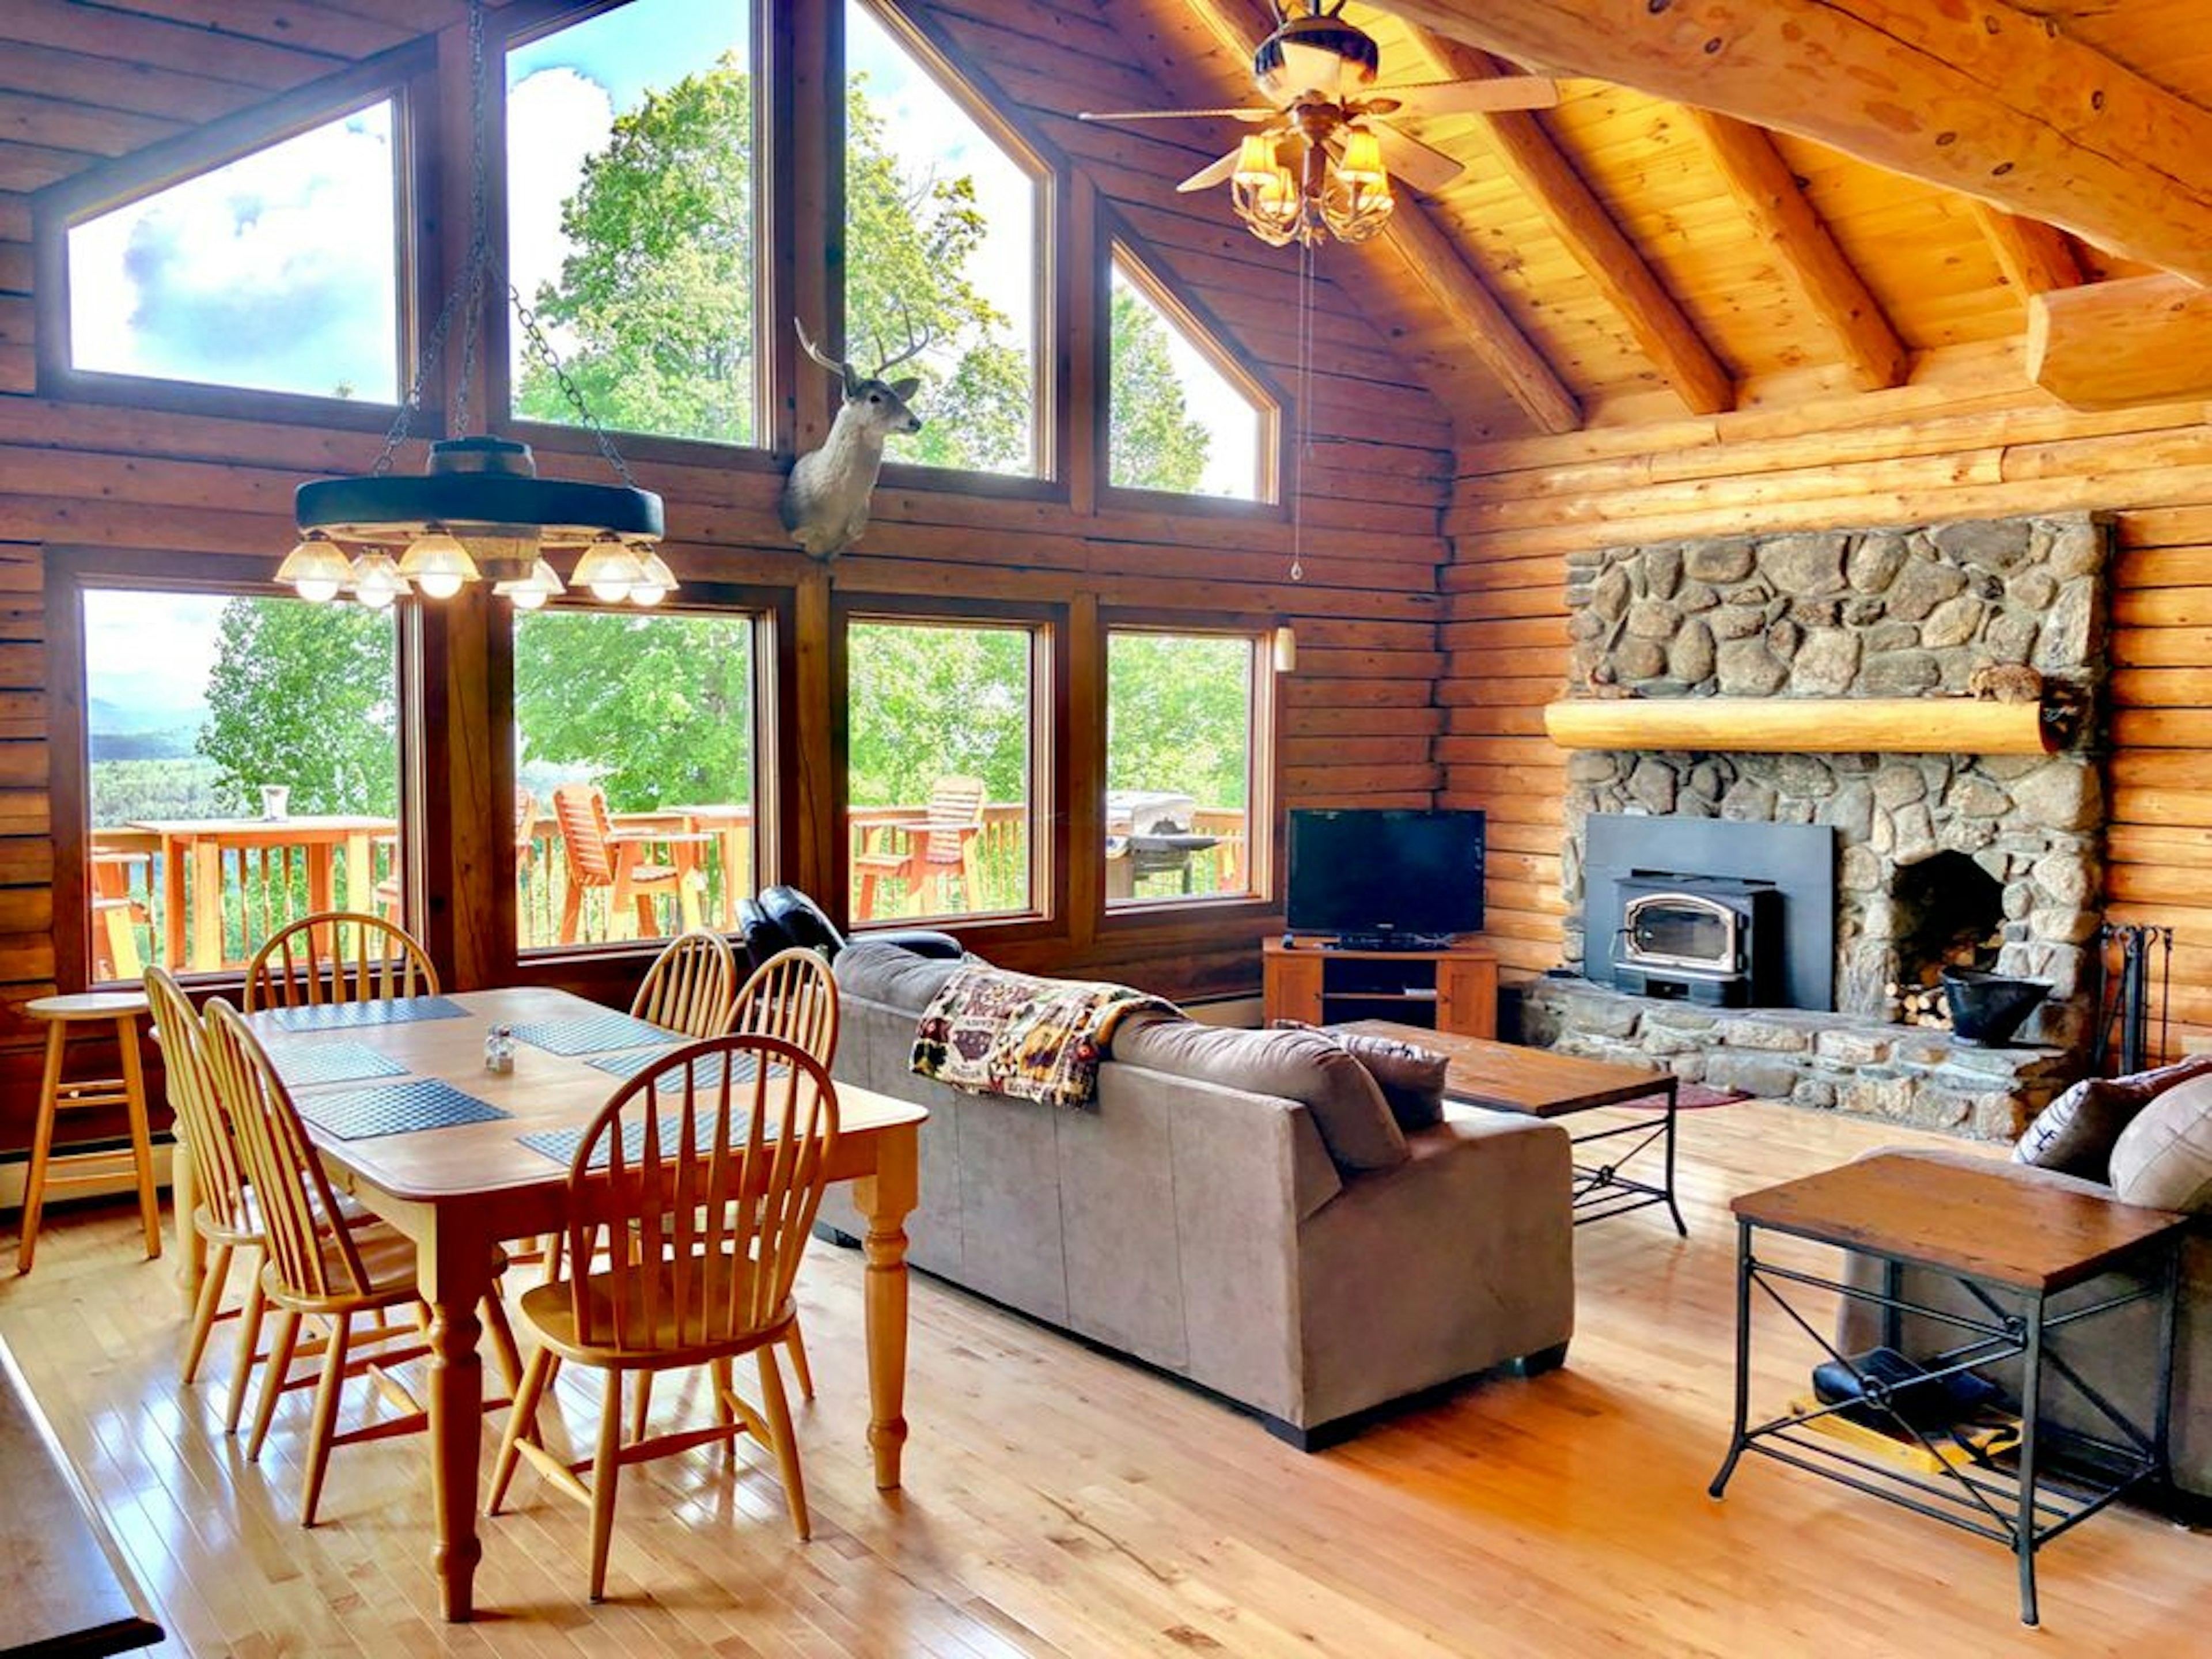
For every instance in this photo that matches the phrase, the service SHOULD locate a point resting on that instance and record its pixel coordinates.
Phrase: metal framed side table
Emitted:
(2026, 1256)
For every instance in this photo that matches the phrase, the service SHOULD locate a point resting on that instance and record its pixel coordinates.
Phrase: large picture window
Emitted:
(1182, 768)
(943, 211)
(636, 752)
(243, 761)
(632, 157)
(940, 785)
(276, 271)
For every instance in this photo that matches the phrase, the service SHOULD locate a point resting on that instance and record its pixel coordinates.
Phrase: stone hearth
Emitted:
(1875, 613)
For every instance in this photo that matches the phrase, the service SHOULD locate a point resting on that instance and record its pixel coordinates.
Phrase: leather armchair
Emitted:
(781, 917)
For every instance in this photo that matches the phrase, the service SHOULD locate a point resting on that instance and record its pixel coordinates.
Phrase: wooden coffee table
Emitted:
(1537, 1083)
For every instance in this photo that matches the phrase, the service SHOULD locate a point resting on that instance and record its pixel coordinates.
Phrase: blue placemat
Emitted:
(397, 1108)
(560, 1144)
(708, 1070)
(352, 1016)
(593, 1034)
(303, 1064)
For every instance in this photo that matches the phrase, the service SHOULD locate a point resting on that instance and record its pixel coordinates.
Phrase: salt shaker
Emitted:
(499, 1050)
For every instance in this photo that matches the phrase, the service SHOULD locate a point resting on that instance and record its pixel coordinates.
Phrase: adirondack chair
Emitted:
(946, 843)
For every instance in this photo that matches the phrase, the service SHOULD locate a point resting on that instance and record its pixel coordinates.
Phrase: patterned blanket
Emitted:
(992, 1032)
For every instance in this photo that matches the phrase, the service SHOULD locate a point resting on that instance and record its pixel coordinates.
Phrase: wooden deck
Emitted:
(1059, 1502)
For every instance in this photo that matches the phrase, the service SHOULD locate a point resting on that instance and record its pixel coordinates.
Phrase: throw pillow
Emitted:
(1347, 1107)
(2163, 1159)
(1412, 1078)
(2075, 1133)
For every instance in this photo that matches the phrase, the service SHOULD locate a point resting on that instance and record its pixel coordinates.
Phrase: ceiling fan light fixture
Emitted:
(1362, 161)
(1255, 162)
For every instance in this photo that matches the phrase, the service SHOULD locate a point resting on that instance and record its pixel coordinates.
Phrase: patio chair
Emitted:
(307, 962)
(318, 1266)
(601, 856)
(943, 843)
(682, 1255)
(115, 954)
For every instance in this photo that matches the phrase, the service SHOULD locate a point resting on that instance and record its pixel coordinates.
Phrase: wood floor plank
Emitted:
(1061, 1504)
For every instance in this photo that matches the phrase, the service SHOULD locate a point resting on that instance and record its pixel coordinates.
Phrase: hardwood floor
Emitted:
(1060, 1502)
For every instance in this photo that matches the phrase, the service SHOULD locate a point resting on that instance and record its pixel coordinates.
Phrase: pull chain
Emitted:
(1303, 448)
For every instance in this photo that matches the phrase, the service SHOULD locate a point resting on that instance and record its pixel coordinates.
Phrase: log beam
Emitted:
(2034, 258)
(2113, 345)
(1534, 160)
(1761, 184)
(1972, 96)
(1432, 259)
(1808, 725)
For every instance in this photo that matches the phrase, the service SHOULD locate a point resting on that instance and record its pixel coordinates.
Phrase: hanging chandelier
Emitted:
(1292, 185)
(479, 511)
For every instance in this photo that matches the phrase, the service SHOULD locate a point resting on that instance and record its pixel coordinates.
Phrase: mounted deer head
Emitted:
(825, 500)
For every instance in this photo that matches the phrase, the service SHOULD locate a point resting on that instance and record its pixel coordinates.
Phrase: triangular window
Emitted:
(1182, 417)
(278, 270)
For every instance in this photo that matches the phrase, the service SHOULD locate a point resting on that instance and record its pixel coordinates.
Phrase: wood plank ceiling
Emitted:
(1623, 258)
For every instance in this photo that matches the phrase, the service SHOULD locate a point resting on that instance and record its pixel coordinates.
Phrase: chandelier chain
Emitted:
(543, 348)
(477, 260)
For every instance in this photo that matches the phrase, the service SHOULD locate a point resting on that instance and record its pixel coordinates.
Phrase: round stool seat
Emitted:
(88, 1004)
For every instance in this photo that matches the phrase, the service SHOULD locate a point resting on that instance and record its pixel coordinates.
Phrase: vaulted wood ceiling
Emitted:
(1625, 256)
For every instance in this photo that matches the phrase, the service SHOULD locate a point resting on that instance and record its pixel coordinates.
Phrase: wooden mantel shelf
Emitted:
(1808, 726)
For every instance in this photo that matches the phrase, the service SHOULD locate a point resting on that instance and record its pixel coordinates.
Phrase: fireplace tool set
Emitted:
(2123, 997)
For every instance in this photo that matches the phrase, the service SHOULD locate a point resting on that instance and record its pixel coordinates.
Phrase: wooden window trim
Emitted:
(1263, 780)
(595, 966)
(1049, 775)
(1117, 244)
(70, 569)
(405, 76)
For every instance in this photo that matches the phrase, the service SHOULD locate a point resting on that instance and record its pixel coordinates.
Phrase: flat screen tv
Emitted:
(1383, 875)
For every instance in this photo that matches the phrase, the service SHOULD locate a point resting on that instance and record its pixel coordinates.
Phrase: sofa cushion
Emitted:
(891, 974)
(1346, 1105)
(2163, 1159)
(1412, 1078)
(2077, 1131)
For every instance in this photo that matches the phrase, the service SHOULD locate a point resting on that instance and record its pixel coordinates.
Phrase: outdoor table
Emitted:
(204, 841)
(731, 823)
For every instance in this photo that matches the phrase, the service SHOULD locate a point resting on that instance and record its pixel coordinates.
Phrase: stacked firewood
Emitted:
(1923, 1003)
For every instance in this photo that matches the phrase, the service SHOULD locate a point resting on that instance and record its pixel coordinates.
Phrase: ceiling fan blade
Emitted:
(1414, 162)
(1178, 114)
(1212, 173)
(1465, 97)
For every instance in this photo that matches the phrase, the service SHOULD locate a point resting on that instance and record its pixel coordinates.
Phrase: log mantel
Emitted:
(1808, 726)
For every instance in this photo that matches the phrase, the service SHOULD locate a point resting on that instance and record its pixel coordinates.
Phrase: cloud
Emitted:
(556, 119)
(276, 271)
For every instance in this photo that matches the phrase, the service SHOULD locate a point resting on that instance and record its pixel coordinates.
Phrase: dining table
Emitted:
(461, 1190)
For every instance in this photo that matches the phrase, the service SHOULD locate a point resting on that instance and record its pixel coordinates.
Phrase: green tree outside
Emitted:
(304, 695)
(1178, 715)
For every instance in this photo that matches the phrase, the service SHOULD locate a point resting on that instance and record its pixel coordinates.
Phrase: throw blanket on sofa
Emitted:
(992, 1032)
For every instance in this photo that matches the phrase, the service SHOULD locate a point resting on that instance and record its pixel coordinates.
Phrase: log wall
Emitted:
(1969, 438)
(1357, 724)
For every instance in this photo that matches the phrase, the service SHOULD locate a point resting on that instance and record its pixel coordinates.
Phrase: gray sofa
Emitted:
(1205, 1228)
(2117, 1355)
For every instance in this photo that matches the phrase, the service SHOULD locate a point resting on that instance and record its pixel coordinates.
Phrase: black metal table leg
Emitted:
(1673, 1090)
(2030, 1389)
(1743, 1268)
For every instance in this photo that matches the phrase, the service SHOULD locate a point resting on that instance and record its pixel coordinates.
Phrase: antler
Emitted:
(916, 343)
(814, 351)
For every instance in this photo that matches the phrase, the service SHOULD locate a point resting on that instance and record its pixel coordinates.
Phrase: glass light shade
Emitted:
(1362, 161)
(1255, 160)
(317, 569)
(531, 591)
(657, 582)
(610, 569)
(438, 564)
(525, 596)
(376, 580)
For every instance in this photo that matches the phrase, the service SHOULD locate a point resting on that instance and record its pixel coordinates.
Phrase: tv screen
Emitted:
(1385, 872)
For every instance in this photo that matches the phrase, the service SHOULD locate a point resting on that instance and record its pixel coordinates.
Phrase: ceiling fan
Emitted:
(1320, 162)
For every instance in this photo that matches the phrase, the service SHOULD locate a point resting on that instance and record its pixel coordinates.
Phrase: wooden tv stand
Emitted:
(1452, 990)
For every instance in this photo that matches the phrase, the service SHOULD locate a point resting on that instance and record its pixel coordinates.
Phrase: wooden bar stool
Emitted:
(121, 1009)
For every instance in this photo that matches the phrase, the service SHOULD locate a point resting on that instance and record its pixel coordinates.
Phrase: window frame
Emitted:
(1118, 246)
(770, 452)
(1263, 763)
(406, 78)
(770, 611)
(968, 86)
(1049, 739)
(72, 569)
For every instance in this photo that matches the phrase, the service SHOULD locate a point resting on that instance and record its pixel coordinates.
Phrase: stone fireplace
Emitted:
(1987, 860)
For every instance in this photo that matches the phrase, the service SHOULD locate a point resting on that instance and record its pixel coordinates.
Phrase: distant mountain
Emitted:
(138, 731)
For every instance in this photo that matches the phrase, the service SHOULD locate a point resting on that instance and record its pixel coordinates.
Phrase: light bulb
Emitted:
(656, 580)
(317, 567)
(376, 580)
(438, 563)
(610, 569)
(439, 584)
(531, 592)
(526, 598)
(316, 590)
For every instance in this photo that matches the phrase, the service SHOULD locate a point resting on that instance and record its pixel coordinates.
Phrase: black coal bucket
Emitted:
(1986, 1009)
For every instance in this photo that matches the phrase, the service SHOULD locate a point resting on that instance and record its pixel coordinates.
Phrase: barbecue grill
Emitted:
(1148, 833)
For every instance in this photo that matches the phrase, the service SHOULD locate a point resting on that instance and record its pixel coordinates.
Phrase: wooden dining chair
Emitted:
(690, 986)
(601, 856)
(337, 955)
(689, 1211)
(318, 1266)
(944, 842)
